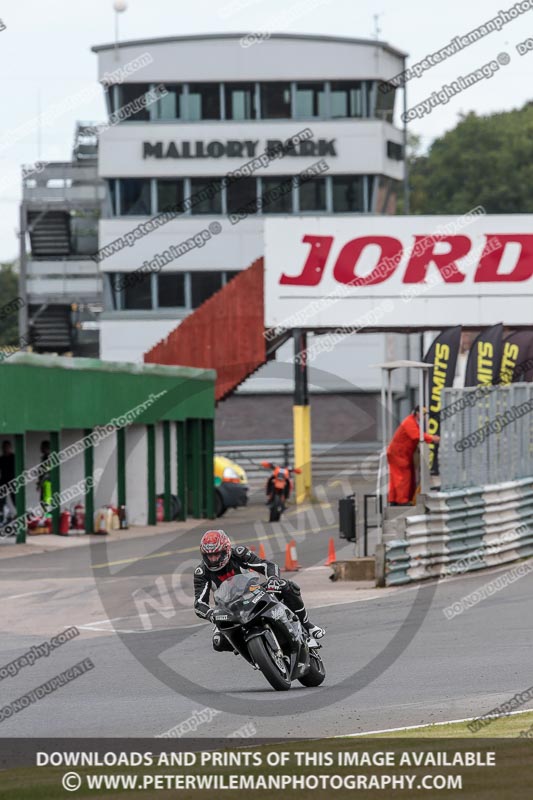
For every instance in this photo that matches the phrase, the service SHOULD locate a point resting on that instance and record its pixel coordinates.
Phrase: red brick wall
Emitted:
(225, 333)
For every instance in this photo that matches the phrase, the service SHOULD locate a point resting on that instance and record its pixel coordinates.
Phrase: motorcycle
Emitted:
(266, 633)
(278, 488)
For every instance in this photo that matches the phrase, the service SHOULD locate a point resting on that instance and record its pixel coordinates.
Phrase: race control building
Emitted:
(230, 109)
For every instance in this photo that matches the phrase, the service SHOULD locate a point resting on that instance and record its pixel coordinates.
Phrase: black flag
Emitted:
(517, 358)
(442, 354)
(485, 357)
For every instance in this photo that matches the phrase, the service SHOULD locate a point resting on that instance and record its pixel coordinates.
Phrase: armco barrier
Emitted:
(463, 531)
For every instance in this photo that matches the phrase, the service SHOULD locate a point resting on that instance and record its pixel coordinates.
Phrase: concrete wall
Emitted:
(159, 460)
(136, 475)
(128, 339)
(173, 459)
(32, 459)
(334, 417)
(219, 57)
(105, 457)
(71, 472)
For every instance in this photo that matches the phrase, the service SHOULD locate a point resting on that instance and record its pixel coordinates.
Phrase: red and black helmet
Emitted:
(215, 548)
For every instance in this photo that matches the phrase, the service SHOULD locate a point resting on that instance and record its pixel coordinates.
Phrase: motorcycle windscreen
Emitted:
(235, 588)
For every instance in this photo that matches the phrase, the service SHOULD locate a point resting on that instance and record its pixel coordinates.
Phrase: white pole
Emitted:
(119, 6)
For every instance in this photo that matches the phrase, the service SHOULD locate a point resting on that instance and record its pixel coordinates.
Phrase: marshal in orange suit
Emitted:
(400, 453)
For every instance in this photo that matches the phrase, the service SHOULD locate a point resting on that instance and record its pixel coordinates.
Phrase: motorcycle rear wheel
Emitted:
(264, 659)
(316, 674)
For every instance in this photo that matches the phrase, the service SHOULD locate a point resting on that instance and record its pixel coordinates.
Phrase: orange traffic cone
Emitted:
(291, 557)
(262, 553)
(332, 556)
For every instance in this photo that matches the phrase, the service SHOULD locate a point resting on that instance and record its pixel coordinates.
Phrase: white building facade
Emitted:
(223, 106)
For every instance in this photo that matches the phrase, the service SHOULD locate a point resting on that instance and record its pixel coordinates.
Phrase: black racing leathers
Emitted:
(243, 559)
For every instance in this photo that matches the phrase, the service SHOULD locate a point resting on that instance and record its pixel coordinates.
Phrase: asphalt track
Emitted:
(392, 659)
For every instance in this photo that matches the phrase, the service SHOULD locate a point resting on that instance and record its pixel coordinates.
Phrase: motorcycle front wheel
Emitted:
(317, 672)
(276, 507)
(272, 666)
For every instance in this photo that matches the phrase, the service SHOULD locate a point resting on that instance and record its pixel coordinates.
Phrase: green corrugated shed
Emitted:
(53, 394)
(44, 393)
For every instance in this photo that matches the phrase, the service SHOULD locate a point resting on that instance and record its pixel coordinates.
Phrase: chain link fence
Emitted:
(486, 435)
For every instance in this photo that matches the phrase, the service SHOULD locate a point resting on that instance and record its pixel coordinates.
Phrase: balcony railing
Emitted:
(63, 281)
(62, 182)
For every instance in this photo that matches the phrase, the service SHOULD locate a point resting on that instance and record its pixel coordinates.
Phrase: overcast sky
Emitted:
(45, 56)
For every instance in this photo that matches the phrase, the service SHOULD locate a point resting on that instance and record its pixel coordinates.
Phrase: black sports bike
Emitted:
(266, 633)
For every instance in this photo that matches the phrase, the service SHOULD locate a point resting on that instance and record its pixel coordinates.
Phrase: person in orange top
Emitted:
(400, 453)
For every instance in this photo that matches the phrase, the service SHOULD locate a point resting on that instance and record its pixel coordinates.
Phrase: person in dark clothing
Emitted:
(7, 474)
(221, 561)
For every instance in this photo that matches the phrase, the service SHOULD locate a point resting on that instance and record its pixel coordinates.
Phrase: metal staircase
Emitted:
(61, 204)
(49, 233)
(51, 329)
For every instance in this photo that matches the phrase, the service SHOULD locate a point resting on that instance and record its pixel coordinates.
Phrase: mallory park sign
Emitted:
(238, 148)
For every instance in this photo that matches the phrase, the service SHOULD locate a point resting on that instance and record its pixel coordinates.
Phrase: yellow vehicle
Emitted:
(231, 485)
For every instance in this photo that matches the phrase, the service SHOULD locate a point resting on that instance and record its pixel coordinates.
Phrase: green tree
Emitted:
(9, 329)
(484, 161)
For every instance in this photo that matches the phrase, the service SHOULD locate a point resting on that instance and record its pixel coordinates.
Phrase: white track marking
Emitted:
(426, 725)
(28, 594)
(134, 630)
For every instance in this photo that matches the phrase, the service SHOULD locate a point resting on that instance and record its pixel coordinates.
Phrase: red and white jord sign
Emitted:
(393, 272)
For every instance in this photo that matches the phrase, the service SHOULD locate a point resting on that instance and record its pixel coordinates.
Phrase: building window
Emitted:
(385, 104)
(203, 101)
(206, 196)
(313, 195)
(171, 290)
(394, 151)
(242, 196)
(112, 97)
(275, 100)
(135, 197)
(129, 92)
(114, 294)
(169, 106)
(112, 194)
(240, 101)
(346, 99)
(169, 195)
(348, 194)
(384, 195)
(137, 292)
(203, 285)
(277, 195)
(109, 93)
(371, 181)
(310, 100)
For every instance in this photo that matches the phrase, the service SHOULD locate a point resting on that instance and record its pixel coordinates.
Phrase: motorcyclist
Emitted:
(279, 474)
(221, 561)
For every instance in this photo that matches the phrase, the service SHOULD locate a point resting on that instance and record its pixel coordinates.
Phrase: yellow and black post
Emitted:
(301, 419)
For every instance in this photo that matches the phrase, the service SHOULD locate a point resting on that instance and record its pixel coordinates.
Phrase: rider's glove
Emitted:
(273, 585)
(210, 614)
